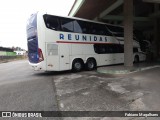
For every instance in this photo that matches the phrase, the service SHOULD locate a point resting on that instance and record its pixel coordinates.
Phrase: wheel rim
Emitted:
(90, 64)
(78, 65)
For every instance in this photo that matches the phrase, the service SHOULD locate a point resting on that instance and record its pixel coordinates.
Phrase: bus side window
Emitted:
(97, 48)
(52, 22)
(109, 48)
(112, 48)
(77, 27)
(116, 30)
(98, 29)
(102, 49)
(80, 27)
(121, 48)
(67, 25)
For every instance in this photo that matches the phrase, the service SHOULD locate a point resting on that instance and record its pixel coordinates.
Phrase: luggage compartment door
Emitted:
(52, 57)
(64, 56)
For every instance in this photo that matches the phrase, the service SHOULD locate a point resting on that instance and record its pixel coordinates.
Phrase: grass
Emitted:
(13, 58)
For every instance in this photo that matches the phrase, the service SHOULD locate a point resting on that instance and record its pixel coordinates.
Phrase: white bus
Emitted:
(58, 43)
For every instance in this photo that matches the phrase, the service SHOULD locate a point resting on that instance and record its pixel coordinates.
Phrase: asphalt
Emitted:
(92, 91)
(22, 89)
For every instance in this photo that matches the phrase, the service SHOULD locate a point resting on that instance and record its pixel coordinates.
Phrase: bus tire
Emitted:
(90, 64)
(77, 65)
(136, 59)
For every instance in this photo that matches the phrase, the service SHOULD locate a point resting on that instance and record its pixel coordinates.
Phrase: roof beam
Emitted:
(77, 5)
(152, 1)
(121, 18)
(111, 8)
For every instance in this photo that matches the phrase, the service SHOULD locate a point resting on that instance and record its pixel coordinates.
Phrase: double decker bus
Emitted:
(57, 43)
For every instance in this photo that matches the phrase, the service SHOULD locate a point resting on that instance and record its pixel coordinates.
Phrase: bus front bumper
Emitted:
(37, 66)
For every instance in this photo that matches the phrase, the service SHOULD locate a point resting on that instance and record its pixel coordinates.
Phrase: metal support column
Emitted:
(156, 34)
(128, 33)
(155, 42)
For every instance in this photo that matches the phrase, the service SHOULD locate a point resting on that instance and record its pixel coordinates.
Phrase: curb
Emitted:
(10, 60)
(3, 61)
(127, 71)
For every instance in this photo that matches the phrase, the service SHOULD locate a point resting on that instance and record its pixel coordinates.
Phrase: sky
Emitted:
(14, 15)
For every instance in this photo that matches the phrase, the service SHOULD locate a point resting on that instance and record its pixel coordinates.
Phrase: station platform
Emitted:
(121, 69)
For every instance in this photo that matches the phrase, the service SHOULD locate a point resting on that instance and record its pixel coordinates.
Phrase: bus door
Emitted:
(52, 57)
(64, 58)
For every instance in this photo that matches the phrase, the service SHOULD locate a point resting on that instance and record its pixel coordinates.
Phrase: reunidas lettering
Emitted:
(83, 38)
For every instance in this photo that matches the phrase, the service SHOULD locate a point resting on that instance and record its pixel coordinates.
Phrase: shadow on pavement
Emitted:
(52, 73)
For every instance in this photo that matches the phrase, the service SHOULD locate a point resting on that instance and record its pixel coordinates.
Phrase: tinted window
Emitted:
(51, 22)
(121, 48)
(67, 25)
(99, 29)
(32, 21)
(119, 34)
(116, 30)
(108, 48)
(102, 49)
(80, 26)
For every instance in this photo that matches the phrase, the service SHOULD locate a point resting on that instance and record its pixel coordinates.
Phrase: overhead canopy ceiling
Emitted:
(153, 1)
(111, 11)
(91, 9)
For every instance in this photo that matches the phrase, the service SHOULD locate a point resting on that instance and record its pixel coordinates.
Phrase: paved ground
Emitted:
(121, 69)
(21, 89)
(24, 90)
(91, 91)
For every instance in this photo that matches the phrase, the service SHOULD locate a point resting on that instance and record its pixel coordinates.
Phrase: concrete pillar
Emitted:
(156, 33)
(155, 42)
(128, 33)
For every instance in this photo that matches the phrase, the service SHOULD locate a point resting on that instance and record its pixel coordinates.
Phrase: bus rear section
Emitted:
(35, 54)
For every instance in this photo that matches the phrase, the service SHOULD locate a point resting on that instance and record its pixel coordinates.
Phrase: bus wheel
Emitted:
(136, 59)
(90, 64)
(77, 65)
